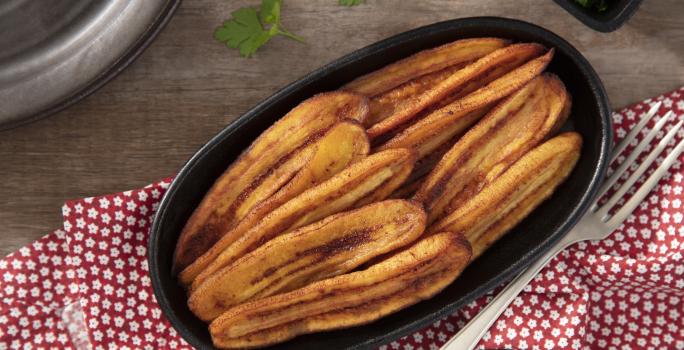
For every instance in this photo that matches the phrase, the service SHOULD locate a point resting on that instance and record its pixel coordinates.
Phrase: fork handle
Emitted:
(468, 337)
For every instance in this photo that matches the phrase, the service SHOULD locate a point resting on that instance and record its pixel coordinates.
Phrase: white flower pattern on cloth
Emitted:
(87, 286)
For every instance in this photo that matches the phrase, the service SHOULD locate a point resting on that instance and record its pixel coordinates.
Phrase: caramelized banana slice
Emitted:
(384, 105)
(507, 200)
(357, 298)
(266, 166)
(407, 190)
(330, 247)
(420, 171)
(346, 142)
(408, 109)
(387, 104)
(512, 128)
(343, 144)
(423, 62)
(457, 117)
(370, 179)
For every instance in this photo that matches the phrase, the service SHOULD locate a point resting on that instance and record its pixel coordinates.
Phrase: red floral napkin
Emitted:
(87, 286)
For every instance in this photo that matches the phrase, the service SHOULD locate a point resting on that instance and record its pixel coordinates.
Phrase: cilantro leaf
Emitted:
(243, 32)
(350, 2)
(247, 31)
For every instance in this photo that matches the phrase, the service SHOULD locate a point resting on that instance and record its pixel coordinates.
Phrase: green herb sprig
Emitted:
(249, 29)
(598, 5)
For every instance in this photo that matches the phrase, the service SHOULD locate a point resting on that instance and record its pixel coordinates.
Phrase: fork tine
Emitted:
(603, 212)
(632, 156)
(635, 131)
(645, 189)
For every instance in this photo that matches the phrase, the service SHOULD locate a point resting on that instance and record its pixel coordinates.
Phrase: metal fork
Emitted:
(597, 224)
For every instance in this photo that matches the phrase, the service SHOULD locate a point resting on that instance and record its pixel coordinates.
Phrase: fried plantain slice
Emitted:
(384, 105)
(408, 109)
(512, 128)
(507, 200)
(420, 171)
(273, 158)
(345, 143)
(423, 62)
(387, 104)
(353, 299)
(370, 179)
(559, 103)
(330, 247)
(407, 190)
(428, 133)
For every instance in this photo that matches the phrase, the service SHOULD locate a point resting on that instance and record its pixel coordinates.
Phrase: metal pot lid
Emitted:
(54, 53)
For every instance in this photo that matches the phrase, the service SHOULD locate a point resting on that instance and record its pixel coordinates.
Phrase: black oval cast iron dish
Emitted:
(531, 238)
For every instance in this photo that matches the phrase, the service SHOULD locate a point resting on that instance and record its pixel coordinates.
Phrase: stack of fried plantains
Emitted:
(363, 201)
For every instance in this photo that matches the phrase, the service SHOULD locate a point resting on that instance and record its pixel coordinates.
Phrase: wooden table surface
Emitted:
(185, 87)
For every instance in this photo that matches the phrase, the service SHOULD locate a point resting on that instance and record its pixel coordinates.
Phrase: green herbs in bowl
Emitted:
(595, 5)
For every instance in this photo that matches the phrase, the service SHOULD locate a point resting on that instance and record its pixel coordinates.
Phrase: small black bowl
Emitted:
(590, 117)
(617, 14)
